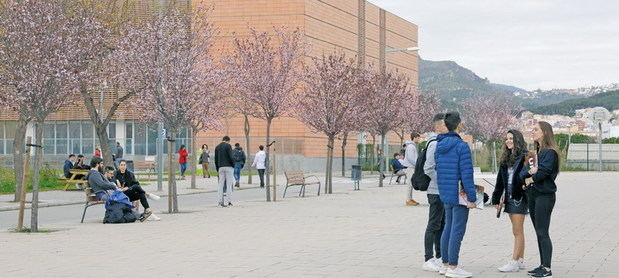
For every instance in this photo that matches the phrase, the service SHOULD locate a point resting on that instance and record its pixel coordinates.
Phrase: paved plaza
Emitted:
(367, 233)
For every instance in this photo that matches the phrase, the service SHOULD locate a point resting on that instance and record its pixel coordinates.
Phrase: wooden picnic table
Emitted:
(78, 177)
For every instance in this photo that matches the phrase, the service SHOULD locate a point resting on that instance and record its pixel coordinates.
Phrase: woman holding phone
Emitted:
(509, 194)
(539, 178)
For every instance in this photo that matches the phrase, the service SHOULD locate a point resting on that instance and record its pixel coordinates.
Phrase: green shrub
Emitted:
(48, 180)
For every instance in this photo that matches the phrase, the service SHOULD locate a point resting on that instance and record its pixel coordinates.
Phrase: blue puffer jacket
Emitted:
(454, 165)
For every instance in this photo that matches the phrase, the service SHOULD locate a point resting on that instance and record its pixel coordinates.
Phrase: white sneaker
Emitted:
(442, 269)
(153, 217)
(511, 266)
(152, 196)
(521, 264)
(438, 262)
(430, 265)
(458, 273)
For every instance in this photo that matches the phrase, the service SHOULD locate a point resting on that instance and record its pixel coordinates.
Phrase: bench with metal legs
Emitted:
(297, 178)
(91, 200)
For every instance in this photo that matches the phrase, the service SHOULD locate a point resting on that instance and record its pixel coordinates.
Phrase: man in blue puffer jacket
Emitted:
(454, 167)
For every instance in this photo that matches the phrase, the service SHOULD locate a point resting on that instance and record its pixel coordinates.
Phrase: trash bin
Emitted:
(356, 176)
(130, 166)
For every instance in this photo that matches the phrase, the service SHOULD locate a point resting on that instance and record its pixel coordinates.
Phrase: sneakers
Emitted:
(411, 203)
(152, 196)
(154, 217)
(229, 204)
(442, 270)
(521, 264)
(458, 273)
(511, 266)
(543, 272)
(431, 265)
(145, 216)
(536, 270)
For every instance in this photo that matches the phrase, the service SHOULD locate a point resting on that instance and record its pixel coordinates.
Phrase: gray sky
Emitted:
(526, 43)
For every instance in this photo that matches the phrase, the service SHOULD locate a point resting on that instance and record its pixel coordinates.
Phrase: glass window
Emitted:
(111, 134)
(9, 128)
(88, 147)
(2, 139)
(152, 140)
(129, 138)
(48, 139)
(140, 139)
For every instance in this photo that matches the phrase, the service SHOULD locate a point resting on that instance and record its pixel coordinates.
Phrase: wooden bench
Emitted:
(145, 165)
(79, 182)
(294, 178)
(91, 200)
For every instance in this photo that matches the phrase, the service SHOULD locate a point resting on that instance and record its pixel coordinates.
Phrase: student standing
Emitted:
(98, 151)
(239, 162)
(508, 192)
(224, 164)
(410, 159)
(260, 163)
(205, 157)
(539, 178)
(182, 160)
(436, 213)
(454, 168)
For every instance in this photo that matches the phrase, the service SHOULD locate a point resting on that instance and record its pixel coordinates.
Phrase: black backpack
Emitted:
(238, 155)
(420, 180)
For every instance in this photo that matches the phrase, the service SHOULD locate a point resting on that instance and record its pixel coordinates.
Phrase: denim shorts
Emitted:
(516, 206)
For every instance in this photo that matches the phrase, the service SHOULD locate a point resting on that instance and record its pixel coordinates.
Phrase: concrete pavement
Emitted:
(367, 233)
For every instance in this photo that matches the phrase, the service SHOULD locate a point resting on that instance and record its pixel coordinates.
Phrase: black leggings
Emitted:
(135, 192)
(540, 208)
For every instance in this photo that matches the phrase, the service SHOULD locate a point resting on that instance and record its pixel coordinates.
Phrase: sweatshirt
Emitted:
(98, 183)
(223, 156)
(429, 168)
(410, 155)
(547, 171)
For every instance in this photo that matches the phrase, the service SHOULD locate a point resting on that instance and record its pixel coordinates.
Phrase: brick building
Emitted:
(357, 27)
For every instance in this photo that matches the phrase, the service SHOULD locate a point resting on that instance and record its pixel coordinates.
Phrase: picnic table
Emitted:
(78, 178)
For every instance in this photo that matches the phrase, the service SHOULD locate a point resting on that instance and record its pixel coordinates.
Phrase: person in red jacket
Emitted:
(182, 160)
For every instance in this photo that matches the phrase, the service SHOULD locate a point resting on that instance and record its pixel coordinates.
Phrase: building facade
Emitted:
(356, 27)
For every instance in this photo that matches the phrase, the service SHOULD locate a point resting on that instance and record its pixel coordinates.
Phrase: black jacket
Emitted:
(547, 171)
(126, 179)
(501, 181)
(223, 156)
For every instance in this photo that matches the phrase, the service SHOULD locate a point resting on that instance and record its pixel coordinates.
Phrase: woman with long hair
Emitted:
(508, 193)
(182, 160)
(539, 178)
(205, 158)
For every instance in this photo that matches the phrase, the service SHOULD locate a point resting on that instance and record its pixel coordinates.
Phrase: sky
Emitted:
(529, 44)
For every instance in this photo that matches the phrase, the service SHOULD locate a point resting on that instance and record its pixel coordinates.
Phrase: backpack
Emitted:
(117, 213)
(420, 180)
(238, 155)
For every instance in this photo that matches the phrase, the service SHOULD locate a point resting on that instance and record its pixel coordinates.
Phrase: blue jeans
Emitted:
(456, 217)
(183, 168)
(237, 170)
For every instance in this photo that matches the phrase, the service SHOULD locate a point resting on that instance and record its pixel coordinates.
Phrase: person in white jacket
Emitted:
(410, 159)
(259, 163)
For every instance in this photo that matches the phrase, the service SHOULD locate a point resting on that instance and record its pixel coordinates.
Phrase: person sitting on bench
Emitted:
(68, 165)
(398, 168)
(101, 186)
(125, 180)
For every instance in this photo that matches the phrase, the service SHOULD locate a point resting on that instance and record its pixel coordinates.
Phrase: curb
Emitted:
(60, 204)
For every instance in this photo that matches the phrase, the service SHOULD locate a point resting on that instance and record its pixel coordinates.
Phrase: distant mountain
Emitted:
(454, 84)
(608, 100)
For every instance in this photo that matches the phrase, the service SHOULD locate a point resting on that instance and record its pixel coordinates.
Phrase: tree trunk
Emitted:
(38, 156)
(106, 151)
(373, 157)
(193, 166)
(172, 198)
(247, 148)
(266, 163)
(381, 158)
(494, 159)
(328, 180)
(344, 154)
(18, 157)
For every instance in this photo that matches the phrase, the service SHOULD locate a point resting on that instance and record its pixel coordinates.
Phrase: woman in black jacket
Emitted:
(131, 187)
(509, 193)
(539, 178)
